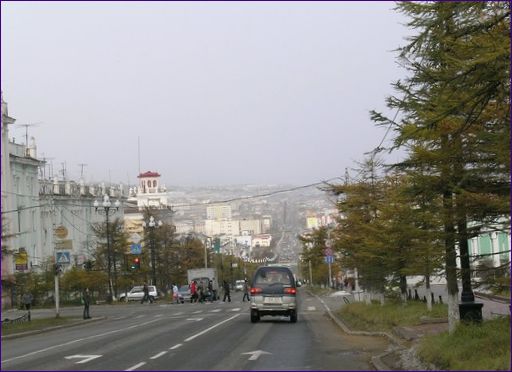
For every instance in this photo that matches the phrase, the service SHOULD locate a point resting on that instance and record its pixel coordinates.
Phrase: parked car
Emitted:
(239, 285)
(137, 292)
(273, 292)
(184, 294)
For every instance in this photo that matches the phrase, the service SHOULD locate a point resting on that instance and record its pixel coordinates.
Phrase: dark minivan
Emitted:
(273, 292)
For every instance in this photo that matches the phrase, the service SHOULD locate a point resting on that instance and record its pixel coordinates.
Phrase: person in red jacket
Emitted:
(193, 291)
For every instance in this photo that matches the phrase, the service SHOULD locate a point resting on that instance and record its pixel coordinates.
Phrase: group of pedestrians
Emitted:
(199, 292)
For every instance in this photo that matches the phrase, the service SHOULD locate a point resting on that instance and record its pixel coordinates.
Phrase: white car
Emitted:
(239, 285)
(137, 292)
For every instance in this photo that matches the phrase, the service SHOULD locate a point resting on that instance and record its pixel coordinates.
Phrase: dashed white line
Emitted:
(236, 309)
(158, 355)
(197, 312)
(175, 346)
(139, 316)
(135, 366)
(158, 315)
(311, 308)
(209, 329)
(215, 310)
(78, 340)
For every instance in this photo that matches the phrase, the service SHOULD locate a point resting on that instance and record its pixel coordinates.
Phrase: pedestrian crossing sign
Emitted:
(63, 258)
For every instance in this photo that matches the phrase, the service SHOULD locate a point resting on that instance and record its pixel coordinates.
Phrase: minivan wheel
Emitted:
(293, 316)
(255, 317)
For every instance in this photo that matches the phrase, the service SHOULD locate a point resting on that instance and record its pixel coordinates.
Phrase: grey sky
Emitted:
(219, 93)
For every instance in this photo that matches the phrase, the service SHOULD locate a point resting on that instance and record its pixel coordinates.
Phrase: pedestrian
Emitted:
(211, 295)
(86, 300)
(146, 296)
(193, 291)
(27, 302)
(175, 293)
(226, 292)
(246, 291)
(200, 292)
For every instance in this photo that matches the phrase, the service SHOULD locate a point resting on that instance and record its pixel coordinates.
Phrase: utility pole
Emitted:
(310, 274)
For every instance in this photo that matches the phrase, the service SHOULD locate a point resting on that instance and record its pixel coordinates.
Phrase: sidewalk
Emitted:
(401, 356)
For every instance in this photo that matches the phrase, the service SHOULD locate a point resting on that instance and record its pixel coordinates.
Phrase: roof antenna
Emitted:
(82, 165)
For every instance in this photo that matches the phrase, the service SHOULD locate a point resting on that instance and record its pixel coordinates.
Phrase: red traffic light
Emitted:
(136, 260)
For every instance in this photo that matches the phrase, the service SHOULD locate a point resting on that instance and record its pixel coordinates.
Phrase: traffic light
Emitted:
(136, 263)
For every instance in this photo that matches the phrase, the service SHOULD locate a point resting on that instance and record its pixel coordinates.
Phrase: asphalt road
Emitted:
(216, 336)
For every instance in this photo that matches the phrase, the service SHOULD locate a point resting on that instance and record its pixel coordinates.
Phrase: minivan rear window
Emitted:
(272, 275)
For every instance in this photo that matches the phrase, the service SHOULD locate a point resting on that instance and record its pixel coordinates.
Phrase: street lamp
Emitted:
(106, 209)
(151, 225)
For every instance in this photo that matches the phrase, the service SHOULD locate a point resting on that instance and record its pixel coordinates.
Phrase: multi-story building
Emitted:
(150, 193)
(43, 221)
(7, 208)
(218, 212)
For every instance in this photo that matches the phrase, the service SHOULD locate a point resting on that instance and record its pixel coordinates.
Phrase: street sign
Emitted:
(329, 259)
(216, 245)
(327, 252)
(135, 238)
(63, 258)
(135, 249)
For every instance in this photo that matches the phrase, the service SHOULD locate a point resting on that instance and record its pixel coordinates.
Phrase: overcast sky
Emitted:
(218, 92)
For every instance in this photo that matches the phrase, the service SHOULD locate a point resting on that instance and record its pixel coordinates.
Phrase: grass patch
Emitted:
(35, 324)
(373, 317)
(483, 346)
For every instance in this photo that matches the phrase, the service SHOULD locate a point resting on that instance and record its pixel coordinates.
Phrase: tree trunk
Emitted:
(428, 292)
(403, 288)
(450, 252)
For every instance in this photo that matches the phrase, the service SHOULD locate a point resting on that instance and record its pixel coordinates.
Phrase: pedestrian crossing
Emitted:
(197, 315)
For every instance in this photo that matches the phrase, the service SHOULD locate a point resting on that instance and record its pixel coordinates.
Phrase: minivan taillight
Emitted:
(291, 291)
(255, 290)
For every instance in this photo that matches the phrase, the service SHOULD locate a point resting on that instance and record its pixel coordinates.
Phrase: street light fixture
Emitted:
(106, 209)
(151, 224)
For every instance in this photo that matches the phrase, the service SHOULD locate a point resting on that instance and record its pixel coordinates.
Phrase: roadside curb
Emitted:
(48, 329)
(492, 297)
(376, 361)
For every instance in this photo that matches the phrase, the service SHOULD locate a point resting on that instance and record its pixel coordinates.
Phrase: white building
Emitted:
(150, 193)
(218, 212)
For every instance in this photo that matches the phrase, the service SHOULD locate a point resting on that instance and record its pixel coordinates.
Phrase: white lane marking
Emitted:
(197, 312)
(236, 309)
(158, 355)
(311, 308)
(180, 313)
(158, 315)
(81, 339)
(139, 316)
(118, 318)
(85, 358)
(254, 355)
(215, 310)
(135, 366)
(175, 346)
(195, 319)
(212, 327)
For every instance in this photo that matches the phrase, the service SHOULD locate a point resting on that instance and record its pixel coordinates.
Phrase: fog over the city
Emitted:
(215, 93)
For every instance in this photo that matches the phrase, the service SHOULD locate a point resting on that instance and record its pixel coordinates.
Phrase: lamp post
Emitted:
(151, 224)
(106, 209)
(207, 244)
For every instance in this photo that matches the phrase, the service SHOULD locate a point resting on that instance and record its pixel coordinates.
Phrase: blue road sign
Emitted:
(135, 249)
(63, 258)
(329, 259)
